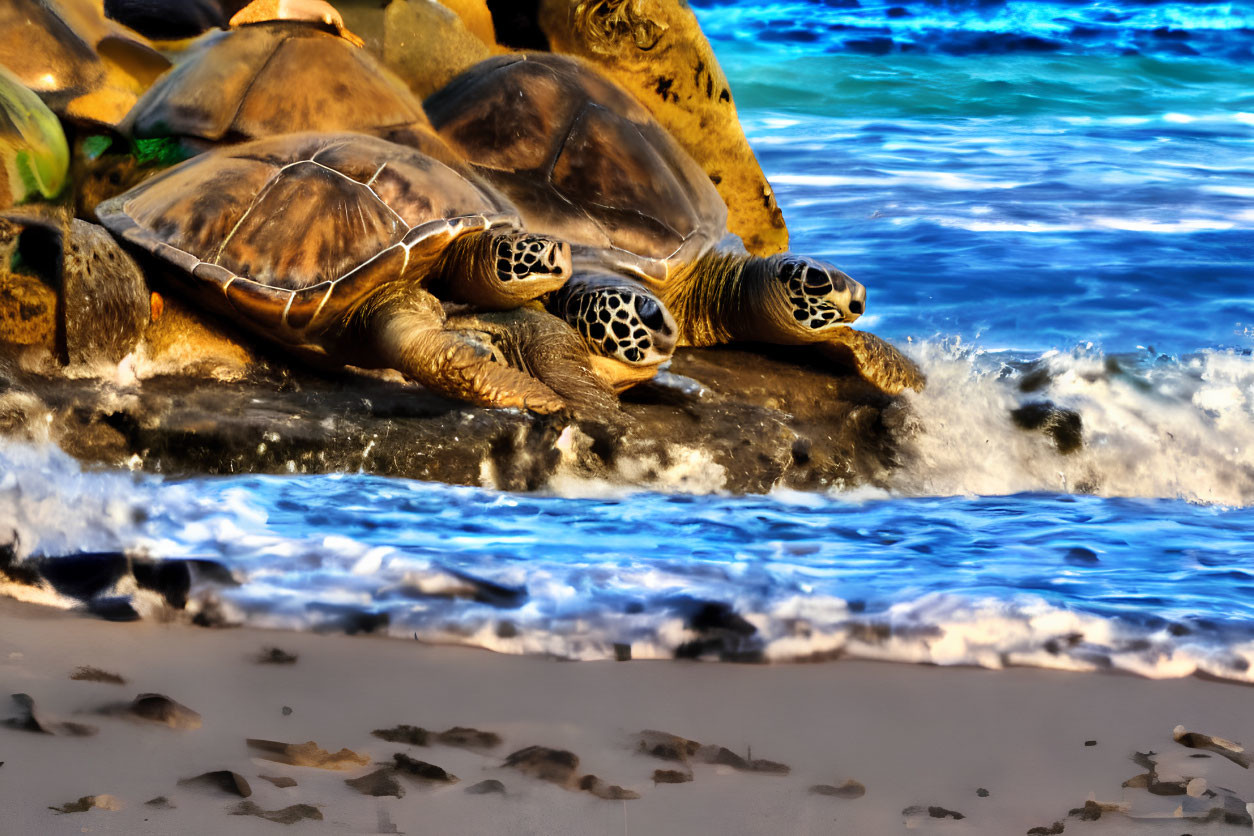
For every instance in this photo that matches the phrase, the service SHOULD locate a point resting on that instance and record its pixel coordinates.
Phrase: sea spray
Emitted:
(1152, 426)
(49, 505)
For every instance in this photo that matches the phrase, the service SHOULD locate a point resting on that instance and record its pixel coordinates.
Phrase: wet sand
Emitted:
(923, 741)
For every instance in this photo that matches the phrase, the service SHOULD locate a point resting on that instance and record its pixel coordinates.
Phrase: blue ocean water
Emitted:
(1055, 189)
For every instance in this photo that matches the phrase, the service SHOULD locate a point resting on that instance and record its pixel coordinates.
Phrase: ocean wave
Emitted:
(1153, 426)
(49, 505)
(790, 577)
(599, 570)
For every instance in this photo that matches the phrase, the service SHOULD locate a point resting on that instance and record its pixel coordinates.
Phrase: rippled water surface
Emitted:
(1047, 201)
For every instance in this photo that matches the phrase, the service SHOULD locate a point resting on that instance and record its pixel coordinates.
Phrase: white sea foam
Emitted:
(52, 506)
(1174, 430)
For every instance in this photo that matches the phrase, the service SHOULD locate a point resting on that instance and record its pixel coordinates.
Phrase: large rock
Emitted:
(720, 419)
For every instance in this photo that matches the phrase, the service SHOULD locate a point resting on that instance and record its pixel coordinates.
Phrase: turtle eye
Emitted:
(795, 274)
(817, 283)
(650, 312)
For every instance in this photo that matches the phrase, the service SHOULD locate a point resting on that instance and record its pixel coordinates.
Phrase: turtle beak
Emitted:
(857, 299)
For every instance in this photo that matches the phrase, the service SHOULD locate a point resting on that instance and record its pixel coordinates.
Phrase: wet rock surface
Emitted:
(727, 418)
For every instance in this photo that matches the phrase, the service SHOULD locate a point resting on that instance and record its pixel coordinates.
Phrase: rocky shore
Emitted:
(757, 421)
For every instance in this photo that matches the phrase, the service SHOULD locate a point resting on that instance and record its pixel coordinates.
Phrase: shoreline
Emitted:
(915, 736)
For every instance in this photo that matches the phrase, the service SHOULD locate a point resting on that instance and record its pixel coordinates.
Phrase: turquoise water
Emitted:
(1046, 201)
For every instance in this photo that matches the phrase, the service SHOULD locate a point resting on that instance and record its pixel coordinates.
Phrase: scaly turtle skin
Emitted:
(324, 243)
(88, 69)
(34, 157)
(585, 162)
(547, 348)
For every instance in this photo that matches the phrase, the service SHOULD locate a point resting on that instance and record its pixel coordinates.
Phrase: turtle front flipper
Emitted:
(549, 349)
(875, 359)
(626, 326)
(401, 326)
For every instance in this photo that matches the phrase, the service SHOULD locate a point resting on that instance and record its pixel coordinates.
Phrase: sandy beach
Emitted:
(1008, 750)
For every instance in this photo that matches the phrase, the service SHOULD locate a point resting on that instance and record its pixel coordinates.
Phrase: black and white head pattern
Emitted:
(526, 256)
(820, 295)
(629, 326)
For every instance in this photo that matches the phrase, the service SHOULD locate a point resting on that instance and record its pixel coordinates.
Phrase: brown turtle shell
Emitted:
(582, 160)
(278, 77)
(289, 233)
(65, 50)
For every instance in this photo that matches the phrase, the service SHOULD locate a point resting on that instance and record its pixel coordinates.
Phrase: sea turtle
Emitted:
(238, 85)
(326, 243)
(264, 76)
(585, 162)
(88, 69)
(655, 49)
(269, 76)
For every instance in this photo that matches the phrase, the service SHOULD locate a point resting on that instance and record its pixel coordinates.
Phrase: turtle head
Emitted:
(627, 328)
(503, 268)
(808, 297)
(527, 266)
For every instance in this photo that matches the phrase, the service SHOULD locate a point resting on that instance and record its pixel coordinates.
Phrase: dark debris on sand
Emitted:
(847, 789)
(932, 810)
(671, 747)
(308, 753)
(557, 766)
(222, 780)
(422, 770)
(276, 656)
(489, 787)
(469, 738)
(1234, 752)
(86, 673)
(160, 709)
(287, 815)
(462, 736)
(671, 776)
(412, 735)
(1193, 797)
(380, 783)
(30, 719)
(607, 791)
(89, 802)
